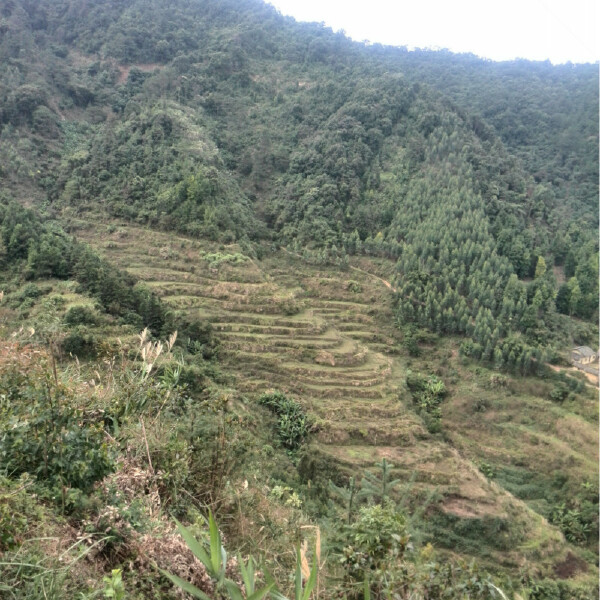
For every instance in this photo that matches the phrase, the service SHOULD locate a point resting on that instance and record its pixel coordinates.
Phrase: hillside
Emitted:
(376, 263)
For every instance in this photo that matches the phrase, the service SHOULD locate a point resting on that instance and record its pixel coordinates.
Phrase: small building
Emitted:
(583, 355)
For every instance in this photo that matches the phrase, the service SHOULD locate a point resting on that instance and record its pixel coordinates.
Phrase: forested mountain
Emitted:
(250, 140)
(313, 138)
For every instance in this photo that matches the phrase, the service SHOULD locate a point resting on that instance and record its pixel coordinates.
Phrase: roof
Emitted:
(584, 351)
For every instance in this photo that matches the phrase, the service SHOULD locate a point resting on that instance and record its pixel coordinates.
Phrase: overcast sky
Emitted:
(558, 30)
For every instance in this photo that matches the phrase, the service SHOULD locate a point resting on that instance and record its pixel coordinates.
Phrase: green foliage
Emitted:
(548, 589)
(50, 253)
(116, 292)
(411, 340)
(28, 574)
(46, 436)
(197, 337)
(354, 287)
(560, 392)
(350, 495)
(18, 511)
(31, 290)
(292, 424)
(375, 542)
(465, 184)
(224, 120)
(377, 486)
(304, 591)
(79, 342)
(80, 315)
(440, 580)
(576, 526)
(488, 470)
(468, 535)
(292, 496)
(214, 559)
(428, 393)
(113, 585)
(217, 258)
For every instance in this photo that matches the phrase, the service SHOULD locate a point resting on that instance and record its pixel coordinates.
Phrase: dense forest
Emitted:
(244, 141)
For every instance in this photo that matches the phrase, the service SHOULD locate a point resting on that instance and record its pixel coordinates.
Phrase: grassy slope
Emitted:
(331, 344)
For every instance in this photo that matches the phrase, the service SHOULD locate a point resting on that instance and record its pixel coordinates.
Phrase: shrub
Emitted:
(80, 343)
(411, 340)
(488, 470)
(197, 337)
(44, 435)
(571, 522)
(559, 392)
(31, 290)
(375, 541)
(18, 510)
(497, 381)
(80, 315)
(215, 259)
(45, 121)
(354, 287)
(471, 349)
(292, 426)
(428, 393)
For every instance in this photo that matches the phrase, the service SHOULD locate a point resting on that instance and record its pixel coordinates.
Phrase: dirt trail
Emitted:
(384, 281)
(593, 379)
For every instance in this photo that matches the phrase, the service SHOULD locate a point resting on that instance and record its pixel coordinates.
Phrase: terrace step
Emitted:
(295, 341)
(272, 330)
(349, 393)
(354, 383)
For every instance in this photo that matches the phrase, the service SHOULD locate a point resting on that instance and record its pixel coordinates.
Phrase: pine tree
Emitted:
(540, 268)
(378, 486)
(575, 297)
(350, 495)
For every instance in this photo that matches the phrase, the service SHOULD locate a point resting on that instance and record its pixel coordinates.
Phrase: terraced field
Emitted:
(327, 338)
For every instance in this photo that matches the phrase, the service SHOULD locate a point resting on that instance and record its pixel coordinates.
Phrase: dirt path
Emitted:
(384, 281)
(593, 379)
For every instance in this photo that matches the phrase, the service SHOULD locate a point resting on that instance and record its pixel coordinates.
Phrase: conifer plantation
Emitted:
(284, 315)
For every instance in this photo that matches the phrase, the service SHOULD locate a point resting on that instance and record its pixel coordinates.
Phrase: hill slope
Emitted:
(402, 244)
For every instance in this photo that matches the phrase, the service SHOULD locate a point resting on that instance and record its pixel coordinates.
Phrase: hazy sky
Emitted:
(558, 30)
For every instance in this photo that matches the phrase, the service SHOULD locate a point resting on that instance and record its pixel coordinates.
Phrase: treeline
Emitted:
(33, 249)
(454, 275)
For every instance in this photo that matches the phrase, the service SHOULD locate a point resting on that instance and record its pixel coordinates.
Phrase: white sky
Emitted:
(558, 30)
